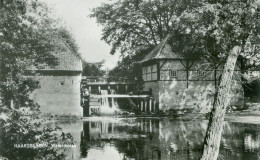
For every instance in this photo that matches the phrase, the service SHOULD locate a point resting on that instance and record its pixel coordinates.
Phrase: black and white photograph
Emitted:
(129, 79)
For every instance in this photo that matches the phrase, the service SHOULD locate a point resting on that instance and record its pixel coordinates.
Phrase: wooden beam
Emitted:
(183, 64)
(187, 72)
(119, 96)
(106, 83)
(162, 64)
(158, 71)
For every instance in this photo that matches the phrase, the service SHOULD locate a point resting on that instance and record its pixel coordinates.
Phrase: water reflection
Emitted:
(144, 138)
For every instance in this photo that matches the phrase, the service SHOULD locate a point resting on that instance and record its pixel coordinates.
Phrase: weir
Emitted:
(100, 96)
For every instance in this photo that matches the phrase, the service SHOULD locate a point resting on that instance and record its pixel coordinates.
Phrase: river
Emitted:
(110, 138)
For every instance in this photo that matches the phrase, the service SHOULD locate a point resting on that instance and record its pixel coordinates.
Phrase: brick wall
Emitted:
(59, 94)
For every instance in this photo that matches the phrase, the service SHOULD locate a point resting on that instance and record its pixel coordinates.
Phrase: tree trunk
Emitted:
(221, 101)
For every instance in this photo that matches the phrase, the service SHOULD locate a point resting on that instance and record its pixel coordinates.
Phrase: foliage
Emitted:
(231, 25)
(93, 69)
(28, 38)
(68, 39)
(207, 29)
(221, 25)
(129, 67)
(22, 127)
(134, 25)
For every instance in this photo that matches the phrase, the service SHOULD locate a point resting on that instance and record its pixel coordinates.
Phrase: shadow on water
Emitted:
(151, 138)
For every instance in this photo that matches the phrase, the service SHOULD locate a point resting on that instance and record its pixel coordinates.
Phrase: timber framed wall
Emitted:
(193, 87)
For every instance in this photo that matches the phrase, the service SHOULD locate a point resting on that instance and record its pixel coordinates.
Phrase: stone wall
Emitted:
(59, 94)
(175, 95)
(199, 95)
(154, 86)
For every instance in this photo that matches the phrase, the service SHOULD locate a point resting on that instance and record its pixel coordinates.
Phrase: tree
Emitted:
(129, 68)
(68, 39)
(93, 69)
(18, 129)
(136, 25)
(233, 27)
(225, 30)
(25, 40)
(28, 38)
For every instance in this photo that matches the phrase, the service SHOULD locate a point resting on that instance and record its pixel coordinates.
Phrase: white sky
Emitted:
(75, 14)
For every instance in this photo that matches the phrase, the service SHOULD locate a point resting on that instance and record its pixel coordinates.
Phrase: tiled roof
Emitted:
(162, 51)
(67, 61)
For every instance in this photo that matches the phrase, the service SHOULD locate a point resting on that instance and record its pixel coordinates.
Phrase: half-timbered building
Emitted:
(178, 83)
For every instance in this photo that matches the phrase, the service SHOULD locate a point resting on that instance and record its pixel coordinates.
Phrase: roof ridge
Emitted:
(66, 44)
(163, 43)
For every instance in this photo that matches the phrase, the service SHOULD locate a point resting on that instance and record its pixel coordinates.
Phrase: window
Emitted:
(201, 74)
(154, 72)
(62, 83)
(149, 73)
(173, 74)
(145, 73)
(144, 70)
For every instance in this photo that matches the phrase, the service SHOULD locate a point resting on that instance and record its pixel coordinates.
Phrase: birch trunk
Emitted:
(221, 101)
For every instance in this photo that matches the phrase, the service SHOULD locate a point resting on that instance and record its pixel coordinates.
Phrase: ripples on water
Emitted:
(144, 138)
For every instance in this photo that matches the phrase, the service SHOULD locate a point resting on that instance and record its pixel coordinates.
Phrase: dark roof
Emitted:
(67, 61)
(162, 51)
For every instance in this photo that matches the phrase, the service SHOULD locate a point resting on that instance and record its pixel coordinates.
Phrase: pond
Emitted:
(111, 138)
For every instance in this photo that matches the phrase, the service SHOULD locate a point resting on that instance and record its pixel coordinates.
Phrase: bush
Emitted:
(20, 127)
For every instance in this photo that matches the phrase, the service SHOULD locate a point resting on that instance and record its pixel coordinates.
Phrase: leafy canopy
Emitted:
(93, 69)
(27, 37)
(204, 29)
(135, 25)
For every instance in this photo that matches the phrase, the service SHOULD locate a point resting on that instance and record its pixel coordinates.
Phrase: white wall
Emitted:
(55, 98)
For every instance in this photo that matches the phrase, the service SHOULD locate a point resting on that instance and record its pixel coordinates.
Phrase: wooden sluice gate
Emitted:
(92, 103)
(95, 94)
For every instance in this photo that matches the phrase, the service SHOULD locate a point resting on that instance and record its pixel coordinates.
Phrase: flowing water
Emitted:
(108, 138)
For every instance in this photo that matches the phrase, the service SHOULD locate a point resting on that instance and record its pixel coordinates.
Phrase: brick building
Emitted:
(178, 83)
(59, 91)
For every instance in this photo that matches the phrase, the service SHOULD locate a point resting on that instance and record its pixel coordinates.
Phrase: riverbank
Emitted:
(235, 116)
(250, 115)
(244, 117)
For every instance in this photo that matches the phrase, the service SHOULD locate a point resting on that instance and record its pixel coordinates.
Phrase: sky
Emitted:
(75, 15)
